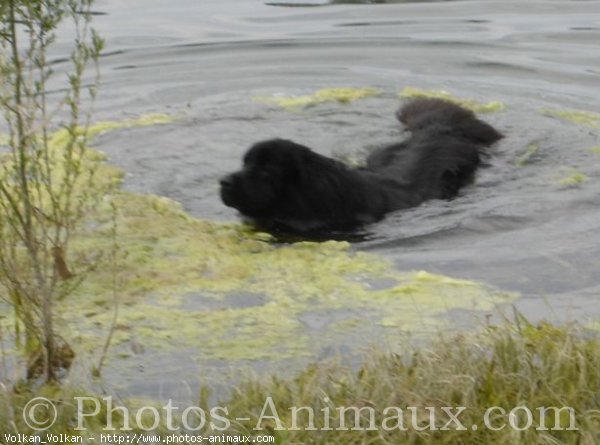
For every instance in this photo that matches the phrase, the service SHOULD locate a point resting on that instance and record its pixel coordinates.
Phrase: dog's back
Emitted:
(443, 152)
(438, 115)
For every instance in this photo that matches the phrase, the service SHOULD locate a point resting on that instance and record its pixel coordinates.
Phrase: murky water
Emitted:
(518, 228)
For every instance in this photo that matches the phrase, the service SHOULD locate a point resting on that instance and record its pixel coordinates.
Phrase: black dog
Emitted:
(284, 186)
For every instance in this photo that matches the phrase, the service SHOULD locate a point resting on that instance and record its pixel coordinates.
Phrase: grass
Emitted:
(507, 366)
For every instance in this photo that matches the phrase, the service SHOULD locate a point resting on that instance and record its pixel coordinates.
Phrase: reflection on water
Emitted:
(520, 227)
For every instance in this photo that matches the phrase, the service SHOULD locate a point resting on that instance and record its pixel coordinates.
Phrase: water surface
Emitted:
(520, 227)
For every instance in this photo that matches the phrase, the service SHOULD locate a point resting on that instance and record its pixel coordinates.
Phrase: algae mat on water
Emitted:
(340, 95)
(226, 292)
(351, 94)
(579, 117)
(473, 105)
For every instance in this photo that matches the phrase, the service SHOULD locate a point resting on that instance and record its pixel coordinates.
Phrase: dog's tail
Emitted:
(435, 115)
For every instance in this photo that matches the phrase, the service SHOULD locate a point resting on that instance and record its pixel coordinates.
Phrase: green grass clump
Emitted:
(473, 105)
(56, 407)
(505, 367)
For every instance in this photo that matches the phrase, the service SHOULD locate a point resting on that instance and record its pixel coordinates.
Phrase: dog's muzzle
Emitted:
(228, 188)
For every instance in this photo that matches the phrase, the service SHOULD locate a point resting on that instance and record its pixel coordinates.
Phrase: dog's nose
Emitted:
(228, 190)
(227, 181)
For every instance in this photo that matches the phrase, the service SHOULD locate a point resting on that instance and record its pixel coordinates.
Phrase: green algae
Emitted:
(573, 178)
(96, 177)
(346, 95)
(177, 278)
(530, 152)
(473, 105)
(341, 95)
(585, 118)
(595, 150)
(173, 263)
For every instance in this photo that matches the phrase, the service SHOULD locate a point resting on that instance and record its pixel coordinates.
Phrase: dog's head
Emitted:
(284, 185)
(269, 169)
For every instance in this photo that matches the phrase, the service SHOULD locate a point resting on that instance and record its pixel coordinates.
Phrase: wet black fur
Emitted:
(287, 186)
